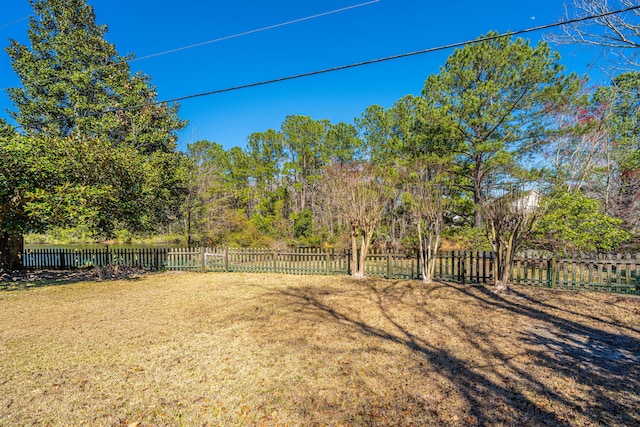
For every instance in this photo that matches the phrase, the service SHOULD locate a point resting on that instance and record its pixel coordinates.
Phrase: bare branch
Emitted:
(618, 34)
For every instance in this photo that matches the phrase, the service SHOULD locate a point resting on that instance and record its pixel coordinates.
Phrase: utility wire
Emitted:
(24, 18)
(220, 39)
(258, 30)
(8, 24)
(363, 63)
(392, 57)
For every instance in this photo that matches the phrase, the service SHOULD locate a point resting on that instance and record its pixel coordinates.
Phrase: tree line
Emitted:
(503, 149)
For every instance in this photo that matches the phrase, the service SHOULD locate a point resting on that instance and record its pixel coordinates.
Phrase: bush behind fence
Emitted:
(610, 273)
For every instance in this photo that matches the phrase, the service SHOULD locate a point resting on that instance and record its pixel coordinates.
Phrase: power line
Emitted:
(392, 57)
(9, 24)
(220, 39)
(24, 18)
(363, 63)
(258, 30)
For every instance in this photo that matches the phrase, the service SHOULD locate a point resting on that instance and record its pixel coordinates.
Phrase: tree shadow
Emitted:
(26, 279)
(605, 364)
(541, 304)
(490, 396)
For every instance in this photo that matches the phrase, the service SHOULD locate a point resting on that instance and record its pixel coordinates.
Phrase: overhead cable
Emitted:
(362, 63)
(393, 57)
(258, 30)
(126, 60)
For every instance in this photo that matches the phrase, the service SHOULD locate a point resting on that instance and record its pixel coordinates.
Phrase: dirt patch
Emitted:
(250, 349)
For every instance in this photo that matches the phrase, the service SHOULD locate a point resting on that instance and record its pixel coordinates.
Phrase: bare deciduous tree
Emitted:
(359, 196)
(429, 198)
(619, 34)
(580, 150)
(510, 217)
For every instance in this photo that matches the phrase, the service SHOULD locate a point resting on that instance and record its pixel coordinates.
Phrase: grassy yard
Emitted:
(259, 349)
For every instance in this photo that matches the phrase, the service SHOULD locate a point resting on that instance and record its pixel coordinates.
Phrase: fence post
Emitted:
(463, 264)
(274, 259)
(389, 268)
(203, 260)
(327, 260)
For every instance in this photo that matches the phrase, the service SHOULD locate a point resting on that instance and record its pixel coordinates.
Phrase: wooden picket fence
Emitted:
(609, 273)
(259, 260)
(63, 259)
(458, 266)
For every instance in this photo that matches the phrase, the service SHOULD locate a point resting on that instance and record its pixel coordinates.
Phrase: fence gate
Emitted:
(200, 259)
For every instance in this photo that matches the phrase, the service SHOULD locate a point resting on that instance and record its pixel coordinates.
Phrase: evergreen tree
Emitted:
(74, 82)
(106, 150)
(496, 95)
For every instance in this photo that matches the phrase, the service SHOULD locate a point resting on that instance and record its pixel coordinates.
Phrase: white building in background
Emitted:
(528, 202)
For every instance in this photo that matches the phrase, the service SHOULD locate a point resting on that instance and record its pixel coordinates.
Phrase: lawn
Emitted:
(264, 349)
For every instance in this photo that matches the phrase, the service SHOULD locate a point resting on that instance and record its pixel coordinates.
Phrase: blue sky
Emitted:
(379, 29)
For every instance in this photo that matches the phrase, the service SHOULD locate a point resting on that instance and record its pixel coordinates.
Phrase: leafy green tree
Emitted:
(621, 100)
(18, 170)
(390, 134)
(239, 181)
(344, 142)
(273, 206)
(574, 222)
(73, 80)
(389, 139)
(206, 165)
(494, 96)
(105, 150)
(266, 150)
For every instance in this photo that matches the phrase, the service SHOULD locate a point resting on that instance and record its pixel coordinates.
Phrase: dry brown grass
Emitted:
(249, 349)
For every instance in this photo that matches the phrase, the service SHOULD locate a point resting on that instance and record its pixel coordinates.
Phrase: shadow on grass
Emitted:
(604, 365)
(545, 305)
(25, 279)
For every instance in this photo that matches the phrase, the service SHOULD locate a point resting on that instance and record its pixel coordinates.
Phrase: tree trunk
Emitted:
(189, 229)
(364, 249)
(477, 193)
(504, 261)
(422, 256)
(354, 253)
(11, 247)
(502, 279)
(432, 253)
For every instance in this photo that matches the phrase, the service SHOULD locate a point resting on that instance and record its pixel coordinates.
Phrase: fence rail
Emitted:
(610, 273)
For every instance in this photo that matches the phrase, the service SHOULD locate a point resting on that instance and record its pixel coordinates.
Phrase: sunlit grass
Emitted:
(261, 349)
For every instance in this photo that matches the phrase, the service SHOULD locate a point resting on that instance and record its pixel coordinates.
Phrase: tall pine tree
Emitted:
(110, 148)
